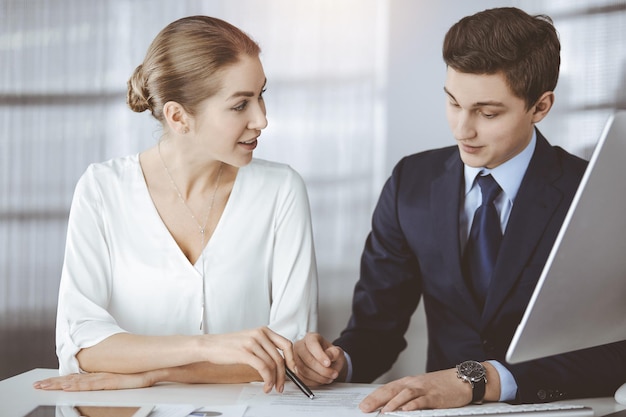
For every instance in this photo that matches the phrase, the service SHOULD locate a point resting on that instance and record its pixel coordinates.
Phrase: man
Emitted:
(502, 68)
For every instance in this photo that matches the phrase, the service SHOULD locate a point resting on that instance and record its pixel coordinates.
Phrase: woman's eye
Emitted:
(241, 107)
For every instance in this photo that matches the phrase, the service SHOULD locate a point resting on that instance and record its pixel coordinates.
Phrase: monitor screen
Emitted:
(580, 299)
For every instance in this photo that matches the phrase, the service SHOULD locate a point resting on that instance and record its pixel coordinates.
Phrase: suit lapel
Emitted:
(536, 201)
(445, 201)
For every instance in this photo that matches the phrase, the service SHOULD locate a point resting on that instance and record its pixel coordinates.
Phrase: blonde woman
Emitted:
(191, 261)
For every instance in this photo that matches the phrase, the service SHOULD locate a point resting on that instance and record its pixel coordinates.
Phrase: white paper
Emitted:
(330, 400)
(221, 411)
(187, 410)
(172, 410)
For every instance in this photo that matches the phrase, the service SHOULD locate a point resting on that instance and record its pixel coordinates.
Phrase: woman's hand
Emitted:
(97, 381)
(259, 348)
(194, 373)
(217, 358)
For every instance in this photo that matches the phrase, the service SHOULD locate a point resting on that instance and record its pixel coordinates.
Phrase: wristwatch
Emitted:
(475, 373)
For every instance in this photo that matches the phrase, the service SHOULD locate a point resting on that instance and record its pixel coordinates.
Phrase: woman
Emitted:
(181, 259)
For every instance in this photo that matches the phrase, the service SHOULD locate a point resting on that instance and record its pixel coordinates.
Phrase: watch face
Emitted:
(474, 371)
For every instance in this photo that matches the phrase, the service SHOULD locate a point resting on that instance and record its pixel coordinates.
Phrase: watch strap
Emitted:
(475, 374)
(478, 391)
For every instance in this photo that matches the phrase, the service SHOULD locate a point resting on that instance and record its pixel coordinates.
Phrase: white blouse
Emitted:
(124, 272)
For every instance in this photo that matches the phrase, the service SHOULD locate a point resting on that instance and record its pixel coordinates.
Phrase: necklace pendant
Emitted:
(201, 227)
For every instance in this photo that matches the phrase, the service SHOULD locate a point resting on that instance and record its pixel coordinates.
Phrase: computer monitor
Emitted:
(580, 299)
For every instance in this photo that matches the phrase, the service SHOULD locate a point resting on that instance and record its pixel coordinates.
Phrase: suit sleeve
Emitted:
(587, 373)
(386, 294)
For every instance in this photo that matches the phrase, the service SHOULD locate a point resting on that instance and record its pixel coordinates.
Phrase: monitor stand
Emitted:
(620, 395)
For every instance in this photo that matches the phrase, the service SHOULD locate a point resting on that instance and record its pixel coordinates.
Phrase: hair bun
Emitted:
(137, 95)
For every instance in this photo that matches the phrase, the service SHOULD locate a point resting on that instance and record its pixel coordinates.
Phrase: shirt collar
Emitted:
(508, 175)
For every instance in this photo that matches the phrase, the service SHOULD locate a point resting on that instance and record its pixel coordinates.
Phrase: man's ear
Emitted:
(542, 106)
(176, 117)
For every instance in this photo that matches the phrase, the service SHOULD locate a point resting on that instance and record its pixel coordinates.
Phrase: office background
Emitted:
(353, 85)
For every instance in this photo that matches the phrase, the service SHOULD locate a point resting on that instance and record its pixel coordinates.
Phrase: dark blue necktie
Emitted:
(484, 240)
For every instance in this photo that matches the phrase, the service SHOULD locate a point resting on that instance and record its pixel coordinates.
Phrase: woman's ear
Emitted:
(542, 106)
(176, 117)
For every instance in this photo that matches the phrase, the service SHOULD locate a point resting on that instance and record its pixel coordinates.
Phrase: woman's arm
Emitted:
(294, 270)
(246, 356)
(195, 373)
(125, 353)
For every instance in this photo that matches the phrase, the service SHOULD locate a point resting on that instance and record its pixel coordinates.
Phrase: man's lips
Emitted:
(469, 148)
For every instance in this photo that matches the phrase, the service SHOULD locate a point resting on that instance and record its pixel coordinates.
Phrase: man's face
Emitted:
(490, 124)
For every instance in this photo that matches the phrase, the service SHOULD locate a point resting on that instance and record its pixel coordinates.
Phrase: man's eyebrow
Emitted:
(448, 93)
(246, 93)
(478, 103)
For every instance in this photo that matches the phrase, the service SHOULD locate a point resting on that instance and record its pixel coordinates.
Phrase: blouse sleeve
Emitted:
(294, 277)
(82, 318)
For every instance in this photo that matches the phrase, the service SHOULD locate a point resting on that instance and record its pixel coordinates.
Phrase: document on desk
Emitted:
(330, 400)
(185, 410)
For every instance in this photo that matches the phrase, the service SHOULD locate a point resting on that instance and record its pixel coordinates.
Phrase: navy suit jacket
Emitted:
(413, 251)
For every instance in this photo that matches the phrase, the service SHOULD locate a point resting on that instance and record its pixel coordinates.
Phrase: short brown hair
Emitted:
(525, 48)
(183, 64)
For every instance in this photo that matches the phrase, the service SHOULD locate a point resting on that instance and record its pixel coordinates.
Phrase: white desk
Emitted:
(18, 397)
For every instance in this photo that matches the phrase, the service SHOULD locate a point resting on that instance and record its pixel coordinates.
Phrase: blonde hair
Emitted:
(183, 64)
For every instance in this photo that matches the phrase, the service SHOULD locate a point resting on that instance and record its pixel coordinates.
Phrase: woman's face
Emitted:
(228, 124)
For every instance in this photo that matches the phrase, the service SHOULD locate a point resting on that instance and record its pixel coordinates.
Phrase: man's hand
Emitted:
(318, 361)
(441, 389)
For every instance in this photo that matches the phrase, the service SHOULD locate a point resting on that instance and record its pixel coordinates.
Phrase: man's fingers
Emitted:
(310, 359)
(335, 353)
(408, 399)
(371, 403)
(378, 398)
(318, 353)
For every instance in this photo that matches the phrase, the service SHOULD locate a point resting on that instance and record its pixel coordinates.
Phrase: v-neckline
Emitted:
(155, 212)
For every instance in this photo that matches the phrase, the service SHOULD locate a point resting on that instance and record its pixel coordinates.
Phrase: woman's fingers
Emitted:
(271, 365)
(259, 348)
(95, 382)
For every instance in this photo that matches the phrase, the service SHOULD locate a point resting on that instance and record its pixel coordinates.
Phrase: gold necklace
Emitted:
(201, 227)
